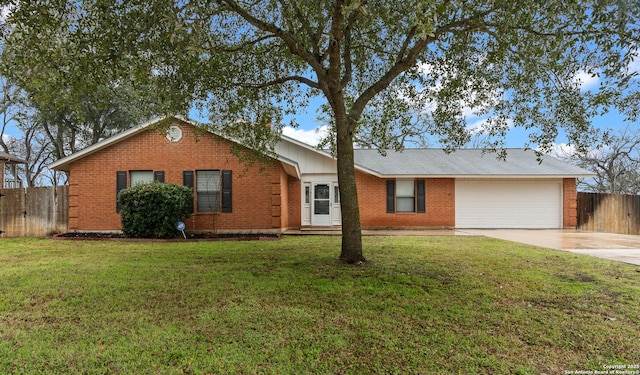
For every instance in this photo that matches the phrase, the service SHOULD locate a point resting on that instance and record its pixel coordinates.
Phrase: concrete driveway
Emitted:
(620, 247)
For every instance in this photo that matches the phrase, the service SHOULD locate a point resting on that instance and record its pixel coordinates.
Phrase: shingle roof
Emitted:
(464, 163)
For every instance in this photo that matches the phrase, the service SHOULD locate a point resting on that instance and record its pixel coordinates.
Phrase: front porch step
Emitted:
(337, 231)
(321, 228)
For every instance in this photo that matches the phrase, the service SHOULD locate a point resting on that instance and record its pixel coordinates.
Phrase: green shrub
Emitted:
(152, 210)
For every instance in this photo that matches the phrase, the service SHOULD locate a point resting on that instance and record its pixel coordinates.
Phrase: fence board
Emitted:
(612, 213)
(34, 212)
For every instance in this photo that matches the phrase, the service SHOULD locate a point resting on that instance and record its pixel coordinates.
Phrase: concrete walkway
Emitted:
(619, 247)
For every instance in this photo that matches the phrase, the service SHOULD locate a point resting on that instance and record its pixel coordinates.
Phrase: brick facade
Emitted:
(439, 204)
(259, 192)
(569, 203)
(264, 197)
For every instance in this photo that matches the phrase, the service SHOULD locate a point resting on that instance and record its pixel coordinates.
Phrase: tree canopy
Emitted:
(390, 71)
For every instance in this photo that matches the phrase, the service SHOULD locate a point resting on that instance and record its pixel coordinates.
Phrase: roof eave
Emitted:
(63, 164)
(477, 176)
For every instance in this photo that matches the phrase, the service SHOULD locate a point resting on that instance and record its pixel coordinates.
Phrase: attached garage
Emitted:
(470, 188)
(509, 203)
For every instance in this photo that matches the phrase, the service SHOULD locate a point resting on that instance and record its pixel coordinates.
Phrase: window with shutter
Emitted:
(208, 191)
(406, 196)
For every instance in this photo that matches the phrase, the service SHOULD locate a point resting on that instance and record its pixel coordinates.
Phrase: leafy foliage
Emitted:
(152, 210)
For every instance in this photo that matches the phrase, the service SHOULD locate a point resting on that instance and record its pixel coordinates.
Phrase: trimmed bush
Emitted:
(152, 210)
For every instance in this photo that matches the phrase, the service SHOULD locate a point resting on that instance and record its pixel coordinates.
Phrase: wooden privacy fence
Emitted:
(612, 213)
(34, 212)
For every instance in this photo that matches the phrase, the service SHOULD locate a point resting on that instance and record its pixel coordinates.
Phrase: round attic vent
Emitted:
(174, 133)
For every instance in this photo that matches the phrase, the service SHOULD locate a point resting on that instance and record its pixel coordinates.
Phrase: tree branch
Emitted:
(407, 41)
(410, 59)
(346, 55)
(277, 81)
(289, 39)
(315, 44)
(530, 30)
(249, 43)
(384, 81)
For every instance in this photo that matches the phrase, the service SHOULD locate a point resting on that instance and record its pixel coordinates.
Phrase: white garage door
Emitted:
(508, 204)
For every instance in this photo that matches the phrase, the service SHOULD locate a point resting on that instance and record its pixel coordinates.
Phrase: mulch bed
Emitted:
(203, 236)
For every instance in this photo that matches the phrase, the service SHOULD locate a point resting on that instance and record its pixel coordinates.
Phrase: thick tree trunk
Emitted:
(351, 231)
(333, 88)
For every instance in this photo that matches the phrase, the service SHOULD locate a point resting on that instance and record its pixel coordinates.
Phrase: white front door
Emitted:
(321, 204)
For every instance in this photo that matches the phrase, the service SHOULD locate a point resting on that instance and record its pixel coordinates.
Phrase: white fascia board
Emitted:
(485, 176)
(63, 163)
(292, 164)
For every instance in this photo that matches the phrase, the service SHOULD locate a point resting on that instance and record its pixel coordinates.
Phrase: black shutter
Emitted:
(226, 191)
(121, 184)
(158, 176)
(420, 196)
(391, 196)
(187, 180)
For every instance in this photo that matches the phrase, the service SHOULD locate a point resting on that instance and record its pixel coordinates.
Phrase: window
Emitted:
(405, 196)
(140, 177)
(336, 194)
(212, 189)
(135, 177)
(208, 191)
(307, 198)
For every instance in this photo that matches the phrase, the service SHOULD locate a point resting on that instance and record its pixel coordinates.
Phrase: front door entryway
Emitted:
(321, 204)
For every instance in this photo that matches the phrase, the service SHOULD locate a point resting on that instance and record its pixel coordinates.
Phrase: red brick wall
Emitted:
(439, 202)
(257, 196)
(295, 202)
(570, 203)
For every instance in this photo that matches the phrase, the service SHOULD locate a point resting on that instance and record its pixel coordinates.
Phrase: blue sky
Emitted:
(310, 128)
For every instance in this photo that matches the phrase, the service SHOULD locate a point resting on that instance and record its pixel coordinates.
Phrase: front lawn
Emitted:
(422, 305)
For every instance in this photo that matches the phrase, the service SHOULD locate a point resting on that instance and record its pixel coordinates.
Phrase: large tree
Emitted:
(388, 70)
(69, 98)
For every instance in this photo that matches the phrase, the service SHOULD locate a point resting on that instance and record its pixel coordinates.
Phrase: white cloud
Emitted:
(473, 101)
(566, 151)
(309, 136)
(483, 126)
(562, 150)
(634, 65)
(5, 11)
(6, 138)
(586, 80)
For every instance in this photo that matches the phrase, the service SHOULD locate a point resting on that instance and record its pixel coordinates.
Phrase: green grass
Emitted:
(421, 305)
